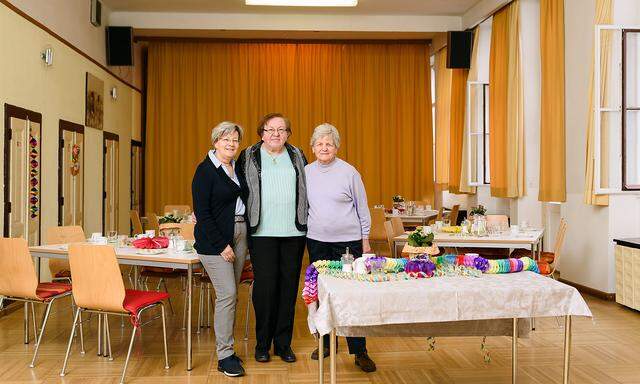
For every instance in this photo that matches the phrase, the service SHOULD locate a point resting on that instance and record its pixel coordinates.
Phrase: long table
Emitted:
(128, 256)
(425, 306)
(421, 218)
(531, 240)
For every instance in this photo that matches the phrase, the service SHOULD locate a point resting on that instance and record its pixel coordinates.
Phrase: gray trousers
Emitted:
(225, 277)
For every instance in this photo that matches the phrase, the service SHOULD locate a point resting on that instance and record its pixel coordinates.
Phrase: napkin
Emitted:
(151, 243)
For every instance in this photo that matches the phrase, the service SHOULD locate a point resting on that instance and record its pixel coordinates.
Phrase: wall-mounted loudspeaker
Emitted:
(459, 45)
(119, 46)
(96, 13)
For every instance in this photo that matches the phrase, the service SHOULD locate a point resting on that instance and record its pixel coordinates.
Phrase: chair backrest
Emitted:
(398, 226)
(153, 222)
(440, 214)
(97, 282)
(562, 229)
(63, 235)
(136, 222)
(378, 219)
(181, 209)
(388, 229)
(497, 220)
(453, 215)
(186, 231)
(19, 277)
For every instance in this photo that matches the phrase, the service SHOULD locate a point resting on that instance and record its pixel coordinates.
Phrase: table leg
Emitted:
(332, 356)
(188, 304)
(320, 359)
(567, 349)
(514, 351)
(533, 251)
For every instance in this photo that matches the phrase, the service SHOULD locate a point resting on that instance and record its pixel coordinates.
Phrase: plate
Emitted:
(141, 251)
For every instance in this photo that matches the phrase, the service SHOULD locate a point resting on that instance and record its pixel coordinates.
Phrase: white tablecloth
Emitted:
(353, 308)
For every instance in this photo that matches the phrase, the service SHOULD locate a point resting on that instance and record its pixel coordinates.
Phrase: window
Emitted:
(617, 110)
(478, 134)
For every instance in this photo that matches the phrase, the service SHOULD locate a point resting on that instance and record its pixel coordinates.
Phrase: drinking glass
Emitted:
(112, 236)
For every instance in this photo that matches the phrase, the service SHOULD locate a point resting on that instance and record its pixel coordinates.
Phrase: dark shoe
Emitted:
(314, 354)
(231, 366)
(287, 355)
(365, 363)
(262, 356)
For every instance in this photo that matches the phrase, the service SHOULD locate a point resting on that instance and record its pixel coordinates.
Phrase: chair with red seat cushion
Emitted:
(247, 278)
(20, 282)
(98, 288)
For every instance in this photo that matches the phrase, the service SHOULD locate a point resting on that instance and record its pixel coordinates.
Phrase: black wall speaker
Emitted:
(459, 44)
(119, 45)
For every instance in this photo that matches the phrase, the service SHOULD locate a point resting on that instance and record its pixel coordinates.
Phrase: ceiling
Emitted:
(365, 7)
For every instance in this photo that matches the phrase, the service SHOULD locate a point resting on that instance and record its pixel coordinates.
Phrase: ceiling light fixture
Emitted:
(304, 3)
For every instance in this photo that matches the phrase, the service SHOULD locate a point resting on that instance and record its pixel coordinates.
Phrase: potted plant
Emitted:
(480, 210)
(398, 203)
(420, 242)
(169, 218)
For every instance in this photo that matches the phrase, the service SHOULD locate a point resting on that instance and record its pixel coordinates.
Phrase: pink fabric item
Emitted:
(151, 242)
(45, 291)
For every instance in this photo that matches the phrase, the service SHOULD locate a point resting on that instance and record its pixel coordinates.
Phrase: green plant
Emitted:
(398, 199)
(169, 219)
(418, 238)
(479, 210)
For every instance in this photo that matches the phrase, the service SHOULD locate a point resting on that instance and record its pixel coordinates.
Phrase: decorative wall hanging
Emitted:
(34, 172)
(94, 102)
(75, 160)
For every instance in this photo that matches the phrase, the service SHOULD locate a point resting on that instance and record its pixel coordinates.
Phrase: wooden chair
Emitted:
(59, 268)
(377, 235)
(548, 260)
(453, 215)
(501, 221)
(398, 226)
(438, 216)
(388, 228)
(136, 223)
(98, 288)
(153, 222)
(19, 282)
(181, 209)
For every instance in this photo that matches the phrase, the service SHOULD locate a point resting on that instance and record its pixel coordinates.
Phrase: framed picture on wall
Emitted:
(94, 102)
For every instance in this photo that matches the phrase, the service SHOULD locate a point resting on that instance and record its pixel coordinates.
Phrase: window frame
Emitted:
(625, 186)
(481, 166)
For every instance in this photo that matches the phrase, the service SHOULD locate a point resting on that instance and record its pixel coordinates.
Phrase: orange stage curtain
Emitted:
(457, 121)
(377, 95)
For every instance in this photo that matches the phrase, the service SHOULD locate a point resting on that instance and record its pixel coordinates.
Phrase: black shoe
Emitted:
(365, 363)
(286, 355)
(231, 366)
(314, 354)
(262, 356)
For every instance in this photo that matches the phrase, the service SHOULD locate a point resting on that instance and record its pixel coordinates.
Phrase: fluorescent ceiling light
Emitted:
(304, 3)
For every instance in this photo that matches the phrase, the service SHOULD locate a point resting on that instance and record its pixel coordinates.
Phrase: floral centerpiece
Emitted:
(169, 218)
(398, 202)
(419, 243)
(478, 211)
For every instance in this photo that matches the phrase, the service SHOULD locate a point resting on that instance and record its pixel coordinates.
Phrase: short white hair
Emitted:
(223, 129)
(323, 130)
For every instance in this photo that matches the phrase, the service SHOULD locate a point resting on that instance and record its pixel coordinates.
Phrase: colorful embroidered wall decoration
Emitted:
(34, 173)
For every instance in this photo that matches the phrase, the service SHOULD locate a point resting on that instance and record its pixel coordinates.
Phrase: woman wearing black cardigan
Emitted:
(221, 234)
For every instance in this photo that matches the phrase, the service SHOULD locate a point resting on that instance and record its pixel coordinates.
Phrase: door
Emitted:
(22, 151)
(110, 182)
(71, 174)
(136, 176)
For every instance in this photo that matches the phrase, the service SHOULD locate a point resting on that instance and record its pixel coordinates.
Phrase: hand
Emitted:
(228, 255)
(366, 247)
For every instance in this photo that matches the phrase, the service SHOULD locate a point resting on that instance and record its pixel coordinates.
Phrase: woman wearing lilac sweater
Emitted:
(338, 216)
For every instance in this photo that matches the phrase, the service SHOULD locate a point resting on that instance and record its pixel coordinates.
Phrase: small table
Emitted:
(356, 308)
(128, 256)
(525, 240)
(422, 218)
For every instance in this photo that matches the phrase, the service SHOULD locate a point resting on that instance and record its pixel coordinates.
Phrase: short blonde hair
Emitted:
(223, 129)
(323, 130)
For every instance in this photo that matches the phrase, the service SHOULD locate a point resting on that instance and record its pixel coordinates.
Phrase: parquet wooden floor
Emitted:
(605, 350)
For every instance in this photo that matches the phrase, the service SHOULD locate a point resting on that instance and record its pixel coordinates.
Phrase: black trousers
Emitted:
(320, 250)
(276, 269)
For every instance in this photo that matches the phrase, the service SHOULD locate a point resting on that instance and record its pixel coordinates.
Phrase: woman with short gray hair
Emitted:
(221, 234)
(338, 217)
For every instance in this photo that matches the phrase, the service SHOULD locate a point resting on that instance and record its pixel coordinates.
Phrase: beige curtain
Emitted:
(472, 76)
(443, 118)
(604, 15)
(457, 121)
(377, 95)
(506, 133)
(552, 130)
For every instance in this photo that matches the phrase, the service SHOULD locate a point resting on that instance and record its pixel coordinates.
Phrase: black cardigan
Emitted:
(214, 204)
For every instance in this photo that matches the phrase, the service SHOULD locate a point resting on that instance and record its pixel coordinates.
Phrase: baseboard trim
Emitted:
(591, 291)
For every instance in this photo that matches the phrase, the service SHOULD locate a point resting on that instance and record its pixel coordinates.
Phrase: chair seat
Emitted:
(135, 300)
(247, 272)
(159, 272)
(45, 291)
(63, 273)
(544, 267)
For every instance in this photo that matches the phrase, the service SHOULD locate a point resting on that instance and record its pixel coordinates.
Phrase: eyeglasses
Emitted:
(230, 141)
(272, 131)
